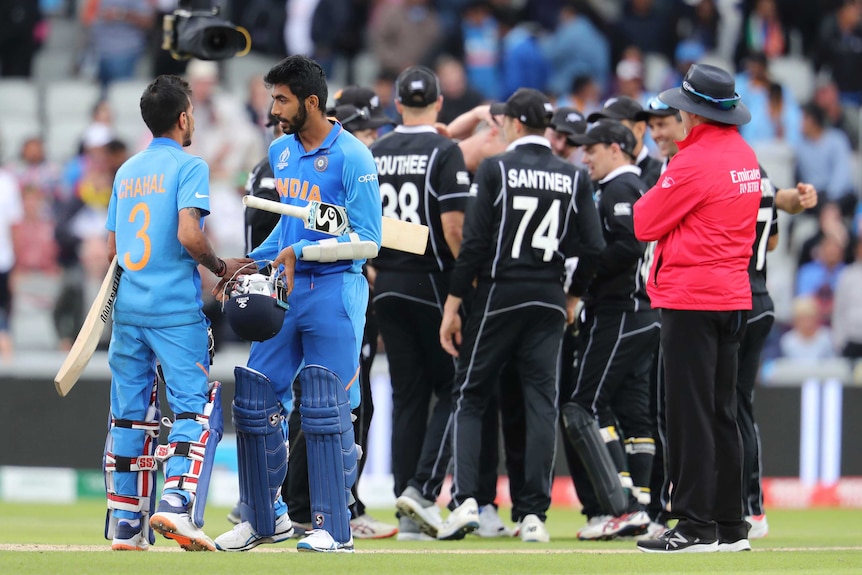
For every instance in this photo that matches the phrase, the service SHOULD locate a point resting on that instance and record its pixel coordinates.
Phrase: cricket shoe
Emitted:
(462, 520)
(653, 531)
(533, 530)
(321, 541)
(128, 538)
(594, 529)
(367, 527)
(674, 541)
(176, 523)
(423, 512)
(627, 525)
(243, 536)
(490, 524)
(408, 530)
(759, 526)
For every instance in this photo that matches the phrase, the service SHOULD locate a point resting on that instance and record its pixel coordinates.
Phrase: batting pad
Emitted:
(583, 431)
(332, 456)
(130, 482)
(261, 453)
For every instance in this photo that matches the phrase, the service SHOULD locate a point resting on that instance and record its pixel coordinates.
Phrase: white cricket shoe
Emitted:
(490, 524)
(367, 527)
(533, 530)
(594, 529)
(759, 526)
(462, 520)
(243, 536)
(629, 524)
(408, 530)
(128, 538)
(321, 541)
(176, 523)
(423, 512)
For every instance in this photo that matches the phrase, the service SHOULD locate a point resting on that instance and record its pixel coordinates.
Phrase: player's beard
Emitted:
(187, 136)
(295, 124)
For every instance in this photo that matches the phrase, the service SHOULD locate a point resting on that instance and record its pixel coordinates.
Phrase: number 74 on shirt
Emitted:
(332, 220)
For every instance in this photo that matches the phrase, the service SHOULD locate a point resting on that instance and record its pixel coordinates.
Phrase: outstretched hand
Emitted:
(233, 267)
(286, 258)
(807, 195)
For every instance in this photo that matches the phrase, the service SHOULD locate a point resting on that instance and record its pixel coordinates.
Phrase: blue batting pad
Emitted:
(261, 453)
(328, 428)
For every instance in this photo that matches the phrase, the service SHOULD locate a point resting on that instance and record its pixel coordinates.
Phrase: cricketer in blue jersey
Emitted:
(316, 160)
(155, 228)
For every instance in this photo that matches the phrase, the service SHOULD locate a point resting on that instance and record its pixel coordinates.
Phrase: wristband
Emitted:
(222, 269)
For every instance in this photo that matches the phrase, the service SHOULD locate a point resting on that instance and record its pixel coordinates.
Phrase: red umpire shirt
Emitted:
(703, 213)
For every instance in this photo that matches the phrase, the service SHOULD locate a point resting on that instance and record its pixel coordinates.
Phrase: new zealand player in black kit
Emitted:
(520, 227)
(422, 180)
(618, 334)
(628, 111)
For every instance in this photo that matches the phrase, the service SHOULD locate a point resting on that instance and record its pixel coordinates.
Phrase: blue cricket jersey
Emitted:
(160, 285)
(341, 171)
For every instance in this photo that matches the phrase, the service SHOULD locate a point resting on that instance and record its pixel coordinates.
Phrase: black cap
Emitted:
(417, 87)
(655, 108)
(529, 106)
(354, 119)
(617, 108)
(607, 132)
(568, 121)
(362, 97)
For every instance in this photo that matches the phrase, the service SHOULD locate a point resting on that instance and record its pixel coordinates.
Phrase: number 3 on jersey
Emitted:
(128, 264)
(401, 204)
(545, 237)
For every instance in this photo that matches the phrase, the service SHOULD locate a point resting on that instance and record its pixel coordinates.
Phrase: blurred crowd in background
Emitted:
(71, 74)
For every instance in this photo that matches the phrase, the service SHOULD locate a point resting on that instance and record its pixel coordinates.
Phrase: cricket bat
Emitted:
(331, 219)
(88, 338)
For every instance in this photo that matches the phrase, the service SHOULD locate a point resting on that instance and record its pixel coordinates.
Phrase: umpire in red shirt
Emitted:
(703, 212)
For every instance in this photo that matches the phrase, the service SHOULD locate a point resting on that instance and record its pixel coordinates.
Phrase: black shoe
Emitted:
(674, 541)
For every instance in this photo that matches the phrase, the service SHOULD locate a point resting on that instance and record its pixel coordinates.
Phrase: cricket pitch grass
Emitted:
(67, 539)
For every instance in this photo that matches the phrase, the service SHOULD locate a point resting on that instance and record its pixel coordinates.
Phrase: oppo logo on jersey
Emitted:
(540, 180)
(295, 188)
(401, 165)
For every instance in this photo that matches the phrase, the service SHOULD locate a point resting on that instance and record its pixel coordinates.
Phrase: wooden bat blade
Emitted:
(88, 338)
(404, 236)
(396, 235)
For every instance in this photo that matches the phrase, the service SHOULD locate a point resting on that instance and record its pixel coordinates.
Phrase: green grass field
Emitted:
(44, 539)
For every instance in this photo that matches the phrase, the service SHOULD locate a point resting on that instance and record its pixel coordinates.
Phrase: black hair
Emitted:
(163, 101)
(302, 75)
(815, 112)
(580, 82)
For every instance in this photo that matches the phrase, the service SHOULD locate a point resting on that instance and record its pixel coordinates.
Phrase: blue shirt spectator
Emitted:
(576, 48)
(522, 62)
(482, 50)
(823, 158)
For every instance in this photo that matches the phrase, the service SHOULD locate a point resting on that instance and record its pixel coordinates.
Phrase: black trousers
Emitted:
(704, 446)
(615, 358)
(659, 484)
(409, 311)
(757, 330)
(506, 325)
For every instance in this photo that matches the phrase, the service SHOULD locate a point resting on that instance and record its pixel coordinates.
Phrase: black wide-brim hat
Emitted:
(708, 91)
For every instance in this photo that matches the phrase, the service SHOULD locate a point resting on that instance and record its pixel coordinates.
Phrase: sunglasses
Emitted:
(725, 104)
(657, 105)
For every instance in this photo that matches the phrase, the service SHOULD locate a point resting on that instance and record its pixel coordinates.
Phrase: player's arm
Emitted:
(796, 200)
(268, 248)
(589, 241)
(477, 243)
(453, 193)
(623, 249)
(111, 224)
(664, 206)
